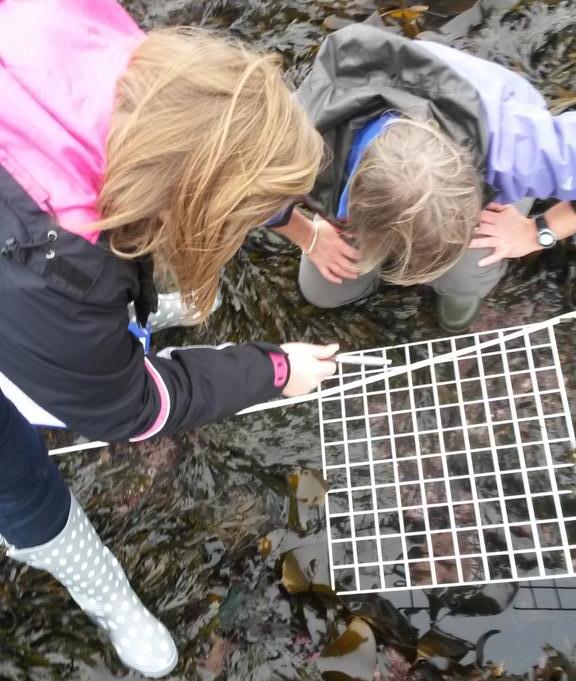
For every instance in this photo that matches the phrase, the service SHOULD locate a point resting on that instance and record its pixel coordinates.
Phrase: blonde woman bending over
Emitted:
(120, 152)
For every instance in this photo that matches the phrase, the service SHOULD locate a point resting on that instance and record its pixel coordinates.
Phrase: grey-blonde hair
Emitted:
(414, 202)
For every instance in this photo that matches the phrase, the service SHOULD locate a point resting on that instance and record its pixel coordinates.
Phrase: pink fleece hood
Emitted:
(60, 61)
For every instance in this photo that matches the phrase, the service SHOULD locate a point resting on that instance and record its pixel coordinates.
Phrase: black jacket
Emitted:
(64, 337)
(362, 71)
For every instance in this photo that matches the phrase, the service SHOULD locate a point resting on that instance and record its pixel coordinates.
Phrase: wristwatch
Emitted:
(546, 237)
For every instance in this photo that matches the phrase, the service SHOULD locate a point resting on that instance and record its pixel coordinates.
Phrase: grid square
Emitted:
(353, 406)
(526, 563)
(522, 537)
(504, 434)
(356, 429)
(554, 562)
(499, 567)
(486, 487)
(512, 484)
(386, 498)
(552, 403)
(439, 518)
(426, 420)
(436, 492)
(421, 573)
(365, 525)
(495, 540)
(417, 546)
(432, 467)
(483, 461)
(345, 580)
(468, 542)
(518, 361)
(367, 551)
(338, 502)
(333, 432)
(343, 553)
(454, 440)
(413, 520)
(517, 510)
(384, 472)
(391, 548)
(544, 507)
(534, 456)
(465, 516)
(461, 489)
(429, 443)
(388, 523)
(362, 500)
(479, 437)
(359, 476)
(500, 410)
(405, 446)
(539, 481)
(490, 512)
(335, 455)
(379, 425)
(358, 452)
(446, 571)
(457, 465)
(475, 413)
(547, 379)
(549, 535)
(463, 472)
(337, 478)
(448, 393)
(443, 545)
(424, 397)
(468, 368)
(410, 495)
(471, 390)
(543, 357)
(369, 578)
(522, 383)
(408, 471)
(382, 449)
(402, 423)
(508, 459)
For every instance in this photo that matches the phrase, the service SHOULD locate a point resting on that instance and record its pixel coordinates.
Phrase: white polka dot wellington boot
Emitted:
(95, 580)
(172, 312)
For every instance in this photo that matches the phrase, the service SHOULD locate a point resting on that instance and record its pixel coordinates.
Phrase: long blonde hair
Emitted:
(207, 141)
(414, 202)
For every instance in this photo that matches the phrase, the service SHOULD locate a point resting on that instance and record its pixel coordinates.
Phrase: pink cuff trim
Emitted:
(281, 369)
(164, 404)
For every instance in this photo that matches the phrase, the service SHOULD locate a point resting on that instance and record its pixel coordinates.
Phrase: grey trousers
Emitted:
(465, 278)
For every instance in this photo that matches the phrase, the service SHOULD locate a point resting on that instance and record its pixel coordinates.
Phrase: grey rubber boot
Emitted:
(456, 313)
(172, 312)
(93, 576)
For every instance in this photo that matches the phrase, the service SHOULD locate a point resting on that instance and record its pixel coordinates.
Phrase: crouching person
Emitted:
(421, 138)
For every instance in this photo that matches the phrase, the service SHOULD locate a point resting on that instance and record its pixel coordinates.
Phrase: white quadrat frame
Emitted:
(358, 532)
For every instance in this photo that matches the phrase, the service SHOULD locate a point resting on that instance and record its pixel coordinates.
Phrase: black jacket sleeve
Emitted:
(64, 341)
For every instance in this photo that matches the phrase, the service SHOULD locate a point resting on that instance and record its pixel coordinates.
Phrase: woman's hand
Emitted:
(309, 364)
(507, 231)
(333, 256)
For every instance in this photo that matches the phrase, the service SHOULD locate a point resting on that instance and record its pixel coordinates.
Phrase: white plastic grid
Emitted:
(453, 467)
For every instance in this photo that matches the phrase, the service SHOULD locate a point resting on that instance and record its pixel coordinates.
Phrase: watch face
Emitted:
(546, 238)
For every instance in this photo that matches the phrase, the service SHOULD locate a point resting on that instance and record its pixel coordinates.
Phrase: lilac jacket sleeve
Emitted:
(531, 153)
(536, 154)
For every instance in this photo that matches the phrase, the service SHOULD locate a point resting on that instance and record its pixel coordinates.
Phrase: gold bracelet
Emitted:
(315, 224)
